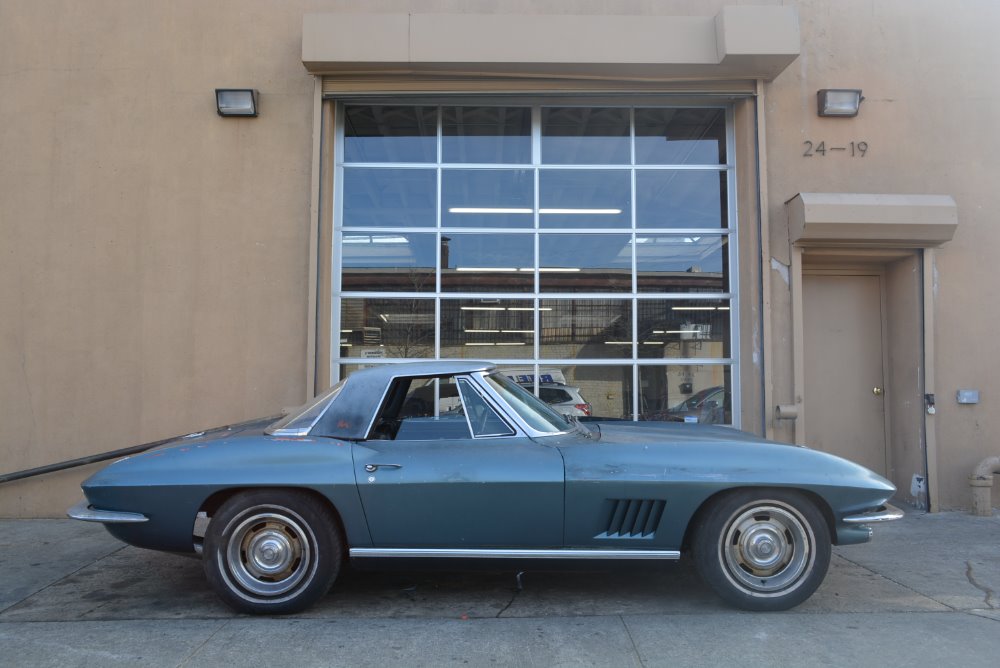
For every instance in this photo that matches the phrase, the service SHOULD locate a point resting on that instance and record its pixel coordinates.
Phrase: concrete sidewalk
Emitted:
(925, 592)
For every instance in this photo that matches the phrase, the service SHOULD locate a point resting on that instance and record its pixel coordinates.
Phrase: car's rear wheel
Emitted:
(763, 549)
(272, 551)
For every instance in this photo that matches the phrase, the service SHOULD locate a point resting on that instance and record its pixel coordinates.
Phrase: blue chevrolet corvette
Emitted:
(453, 460)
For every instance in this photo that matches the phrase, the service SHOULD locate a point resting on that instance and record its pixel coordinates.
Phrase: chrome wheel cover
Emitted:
(767, 548)
(269, 553)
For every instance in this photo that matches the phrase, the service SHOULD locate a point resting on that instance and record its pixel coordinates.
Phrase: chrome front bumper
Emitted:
(84, 512)
(884, 513)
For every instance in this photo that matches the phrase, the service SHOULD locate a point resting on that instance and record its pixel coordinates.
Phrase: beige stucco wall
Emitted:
(154, 273)
(153, 254)
(927, 70)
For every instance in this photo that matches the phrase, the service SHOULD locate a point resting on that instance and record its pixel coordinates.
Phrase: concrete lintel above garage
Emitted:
(899, 221)
(740, 42)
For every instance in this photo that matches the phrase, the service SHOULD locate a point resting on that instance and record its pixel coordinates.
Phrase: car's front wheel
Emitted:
(763, 550)
(272, 551)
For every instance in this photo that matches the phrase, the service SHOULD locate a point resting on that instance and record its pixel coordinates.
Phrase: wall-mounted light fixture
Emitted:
(236, 101)
(838, 102)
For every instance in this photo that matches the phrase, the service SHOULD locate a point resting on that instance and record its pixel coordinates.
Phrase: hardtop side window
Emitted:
(482, 418)
(422, 409)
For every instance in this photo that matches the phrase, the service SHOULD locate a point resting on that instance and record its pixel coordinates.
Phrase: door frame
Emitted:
(869, 259)
(854, 269)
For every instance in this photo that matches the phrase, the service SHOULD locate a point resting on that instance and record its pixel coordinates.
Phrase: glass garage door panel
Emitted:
(488, 198)
(588, 249)
(390, 134)
(487, 262)
(679, 136)
(396, 262)
(386, 197)
(486, 135)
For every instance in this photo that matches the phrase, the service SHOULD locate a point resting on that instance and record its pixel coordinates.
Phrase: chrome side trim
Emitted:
(85, 512)
(885, 513)
(568, 553)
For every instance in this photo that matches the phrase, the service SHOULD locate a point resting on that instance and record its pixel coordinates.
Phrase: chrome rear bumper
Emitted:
(84, 512)
(885, 513)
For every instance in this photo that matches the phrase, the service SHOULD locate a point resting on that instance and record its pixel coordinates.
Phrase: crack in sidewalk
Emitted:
(518, 588)
(988, 600)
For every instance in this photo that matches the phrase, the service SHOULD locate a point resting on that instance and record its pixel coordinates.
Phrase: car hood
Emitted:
(678, 451)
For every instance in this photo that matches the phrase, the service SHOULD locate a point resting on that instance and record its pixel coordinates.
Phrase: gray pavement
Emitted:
(925, 592)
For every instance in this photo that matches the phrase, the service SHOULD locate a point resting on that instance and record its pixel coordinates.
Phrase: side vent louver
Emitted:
(634, 518)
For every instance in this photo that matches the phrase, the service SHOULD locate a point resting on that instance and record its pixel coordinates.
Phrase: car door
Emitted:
(461, 478)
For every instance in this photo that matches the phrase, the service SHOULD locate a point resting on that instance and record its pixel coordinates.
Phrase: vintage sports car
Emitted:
(453, 460)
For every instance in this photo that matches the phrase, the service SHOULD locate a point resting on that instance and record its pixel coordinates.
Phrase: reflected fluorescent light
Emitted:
(485, 268)
(346, 331)
(375, 239)
(599, 212)
(652, 343)
(496, 344)
(675, 331)
(692, 308)
(517, 331)
(487, 209)
(558, 270)
(511, 343)
(501, 308)
(482, 331)
(384, 319)
(723, 308)
(504, 209)
(345, 345)
(618, 343)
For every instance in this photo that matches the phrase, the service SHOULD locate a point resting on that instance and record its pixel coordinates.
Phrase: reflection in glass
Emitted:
(701, 393)
(671, 136)
(390, 134)
(683, 329)
(681, 263)
(585, 263)
(680, 198)
(585, 328)
(375, 197)
(487, 198)
(487, 262)
(487, 328)
(602, 391)
(375, 327)
(585, 198)
(486, 134)
(585, 136)
(401, 262)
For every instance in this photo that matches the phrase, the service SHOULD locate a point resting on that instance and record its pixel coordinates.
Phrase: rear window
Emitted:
(553, 396)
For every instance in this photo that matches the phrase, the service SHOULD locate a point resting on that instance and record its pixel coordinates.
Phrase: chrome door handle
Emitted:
(877, 391)
(371, 468)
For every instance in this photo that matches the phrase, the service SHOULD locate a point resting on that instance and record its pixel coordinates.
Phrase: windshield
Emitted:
(535, 412)
(300, 420)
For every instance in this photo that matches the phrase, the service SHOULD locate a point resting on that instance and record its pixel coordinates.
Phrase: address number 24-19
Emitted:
(856, 149)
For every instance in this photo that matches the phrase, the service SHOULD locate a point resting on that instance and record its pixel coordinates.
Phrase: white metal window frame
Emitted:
(536, 361)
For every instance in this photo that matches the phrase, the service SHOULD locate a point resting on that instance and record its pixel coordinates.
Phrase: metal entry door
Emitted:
(845, 391)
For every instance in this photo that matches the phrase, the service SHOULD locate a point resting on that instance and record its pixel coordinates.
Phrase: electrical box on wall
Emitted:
(967, 396)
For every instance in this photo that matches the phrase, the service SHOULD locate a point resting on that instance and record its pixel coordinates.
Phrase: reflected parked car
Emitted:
(275, 508)
(712, 405)
(565, 399)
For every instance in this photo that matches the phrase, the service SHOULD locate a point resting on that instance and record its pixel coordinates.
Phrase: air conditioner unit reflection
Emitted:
(695, 332)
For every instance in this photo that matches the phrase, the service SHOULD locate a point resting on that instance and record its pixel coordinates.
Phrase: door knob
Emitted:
(877, 391)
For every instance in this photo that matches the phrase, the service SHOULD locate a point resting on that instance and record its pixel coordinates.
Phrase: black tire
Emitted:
(272, 551)
(762, 550)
